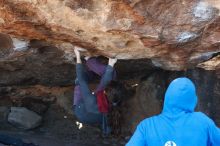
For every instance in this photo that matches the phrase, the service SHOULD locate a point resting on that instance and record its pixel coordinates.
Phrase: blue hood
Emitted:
(178, 124)
(180, 97)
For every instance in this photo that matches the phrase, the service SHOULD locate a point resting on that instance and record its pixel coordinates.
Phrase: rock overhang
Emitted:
(173, 35)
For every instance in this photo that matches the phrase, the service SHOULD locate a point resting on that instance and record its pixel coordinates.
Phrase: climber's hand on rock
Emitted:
(76, 51)
(80, 49)
(112, 61)
(87, 57)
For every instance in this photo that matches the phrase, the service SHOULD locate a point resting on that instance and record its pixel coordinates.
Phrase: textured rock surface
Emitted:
(42, 63)
(174, 34)
(147, 101)
(58, 127)
(24, 118)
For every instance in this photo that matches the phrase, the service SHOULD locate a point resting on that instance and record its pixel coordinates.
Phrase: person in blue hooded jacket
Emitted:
(178, 124)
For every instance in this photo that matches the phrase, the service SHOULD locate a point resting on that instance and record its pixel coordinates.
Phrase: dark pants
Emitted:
(85, 103)
(87, 109)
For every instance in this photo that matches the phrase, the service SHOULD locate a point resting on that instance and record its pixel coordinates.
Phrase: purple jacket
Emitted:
(93, 65)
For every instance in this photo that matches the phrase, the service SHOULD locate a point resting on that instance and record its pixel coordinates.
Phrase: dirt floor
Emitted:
(60, 129)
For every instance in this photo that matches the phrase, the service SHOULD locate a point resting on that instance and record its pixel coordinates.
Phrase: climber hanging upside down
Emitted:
(95, 108)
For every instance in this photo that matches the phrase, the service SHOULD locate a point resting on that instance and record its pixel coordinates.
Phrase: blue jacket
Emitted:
(178, 124)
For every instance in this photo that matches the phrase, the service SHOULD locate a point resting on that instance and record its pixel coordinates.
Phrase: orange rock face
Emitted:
(175, 35)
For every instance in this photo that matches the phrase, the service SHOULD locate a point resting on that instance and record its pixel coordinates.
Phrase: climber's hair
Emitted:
(116, 93)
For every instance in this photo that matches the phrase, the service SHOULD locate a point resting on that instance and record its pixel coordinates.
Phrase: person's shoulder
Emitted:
(146, 125)
(205, 120)
(202, 117)
(200, 114)
(146, 121)
(142, 126)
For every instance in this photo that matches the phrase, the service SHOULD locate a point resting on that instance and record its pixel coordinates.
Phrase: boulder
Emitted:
(23, 118)
(174, 35)
(147, 101)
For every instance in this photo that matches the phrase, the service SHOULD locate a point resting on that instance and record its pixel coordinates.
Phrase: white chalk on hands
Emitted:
(80, 49)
